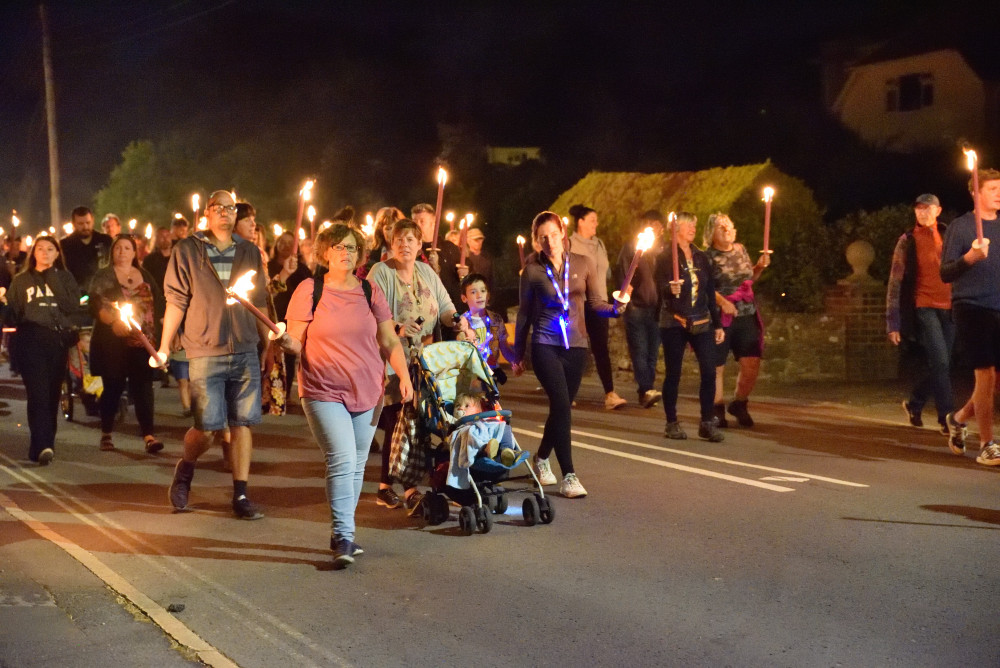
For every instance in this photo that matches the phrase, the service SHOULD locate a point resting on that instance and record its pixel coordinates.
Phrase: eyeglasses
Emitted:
(350, 248)
(222, 208)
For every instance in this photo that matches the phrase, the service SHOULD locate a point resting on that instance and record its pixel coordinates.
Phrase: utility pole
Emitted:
(50, 115)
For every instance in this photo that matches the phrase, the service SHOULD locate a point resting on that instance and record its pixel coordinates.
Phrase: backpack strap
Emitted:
(366, 287)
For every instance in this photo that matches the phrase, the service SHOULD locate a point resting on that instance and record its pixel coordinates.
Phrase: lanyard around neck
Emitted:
(563, 297)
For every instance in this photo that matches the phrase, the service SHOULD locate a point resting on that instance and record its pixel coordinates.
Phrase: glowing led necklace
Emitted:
(484, 347)
(563, 296)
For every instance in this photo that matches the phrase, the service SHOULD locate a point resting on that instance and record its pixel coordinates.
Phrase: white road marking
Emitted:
(722, 460)
(669, 465)
(165, 620)
(784, 478)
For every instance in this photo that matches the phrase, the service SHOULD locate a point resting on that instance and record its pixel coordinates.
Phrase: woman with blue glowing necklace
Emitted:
(555, 284)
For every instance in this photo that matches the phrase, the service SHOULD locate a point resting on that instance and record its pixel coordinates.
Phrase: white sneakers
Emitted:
(545, 474)
(571, 487)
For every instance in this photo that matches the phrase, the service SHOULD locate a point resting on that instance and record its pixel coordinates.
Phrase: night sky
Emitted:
(614, 85)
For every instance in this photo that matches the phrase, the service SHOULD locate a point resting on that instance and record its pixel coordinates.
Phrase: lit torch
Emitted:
(643, 243)
(368, 229)
(304, 196)
(195, 207)
(156, 359)
(768, 196)
(278, 230)
(240, 291)
(463, 227)
(450, 217)
(442, 178)
(131, 225)
(520, 249)
(311, 216)
(149, 231)
(972, 162)
(672, 221)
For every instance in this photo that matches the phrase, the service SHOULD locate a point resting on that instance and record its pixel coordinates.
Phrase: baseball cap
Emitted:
(475, 233)
(928, 198)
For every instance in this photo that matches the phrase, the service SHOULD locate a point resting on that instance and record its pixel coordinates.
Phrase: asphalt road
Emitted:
(829, 535)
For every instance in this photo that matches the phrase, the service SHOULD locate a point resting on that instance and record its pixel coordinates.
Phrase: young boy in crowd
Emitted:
(487, 326)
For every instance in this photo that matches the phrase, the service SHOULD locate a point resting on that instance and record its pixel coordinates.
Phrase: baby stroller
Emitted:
(447, 369)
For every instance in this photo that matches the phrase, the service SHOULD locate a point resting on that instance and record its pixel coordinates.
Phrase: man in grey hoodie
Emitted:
(221, 343)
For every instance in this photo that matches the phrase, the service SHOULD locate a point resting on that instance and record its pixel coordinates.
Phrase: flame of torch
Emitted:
(240, 292)
(463, 227)
(196, 204)
(67, 229)
(125, 314)
(450, 217)
(132, 223)
(304, 196)
(149, 231)
(643, 243)
(278, 230)
(972, 162)
(368, 229)
(442, 178)
(14, 220)
(520, 249)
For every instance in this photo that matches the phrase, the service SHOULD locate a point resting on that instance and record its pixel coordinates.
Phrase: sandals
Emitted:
(106, 442)
(153, 444)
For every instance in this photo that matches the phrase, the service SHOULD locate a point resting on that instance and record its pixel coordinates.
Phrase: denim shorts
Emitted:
(225, 389)
(179, 369)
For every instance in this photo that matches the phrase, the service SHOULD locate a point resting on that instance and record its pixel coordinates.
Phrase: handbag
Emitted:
(696, 325)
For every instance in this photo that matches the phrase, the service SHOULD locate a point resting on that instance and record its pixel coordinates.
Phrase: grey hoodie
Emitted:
(210, 327)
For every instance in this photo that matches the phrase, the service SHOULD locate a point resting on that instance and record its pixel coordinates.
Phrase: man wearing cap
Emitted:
(111, 225)
(918, 311)
(479, 260)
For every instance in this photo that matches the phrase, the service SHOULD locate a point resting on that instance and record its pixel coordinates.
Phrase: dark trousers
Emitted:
(642, 334)
(675, 340)
(139, 378)
(42, 360)
(560, 372)
(598, 332)
(936, 333)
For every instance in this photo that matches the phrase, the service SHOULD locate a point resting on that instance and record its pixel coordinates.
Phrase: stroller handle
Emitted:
(466, 419)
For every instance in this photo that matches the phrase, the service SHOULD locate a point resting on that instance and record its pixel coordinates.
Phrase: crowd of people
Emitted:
(354, 307)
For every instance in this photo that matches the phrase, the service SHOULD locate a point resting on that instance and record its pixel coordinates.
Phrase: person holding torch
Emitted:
(974, 273)
(689, 315)
(117, 353)
(221, 343)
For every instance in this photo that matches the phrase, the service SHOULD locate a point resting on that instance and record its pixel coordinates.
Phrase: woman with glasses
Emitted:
(555, 286)
(344, 338)
(734, 276)
(117, 354)
(41, 303)
(419, 301)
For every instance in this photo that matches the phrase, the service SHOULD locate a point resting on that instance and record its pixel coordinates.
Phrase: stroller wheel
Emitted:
(467, 520)
(501, 506)
(484, 519)
(546, 511)
(530, 511)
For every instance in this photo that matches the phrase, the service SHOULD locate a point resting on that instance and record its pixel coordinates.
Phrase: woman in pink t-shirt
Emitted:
(343, 341)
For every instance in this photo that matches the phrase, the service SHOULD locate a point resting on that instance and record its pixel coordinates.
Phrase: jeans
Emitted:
(936, 334)
(560, 372)
(225, 389)
(344, 437)
(642, 334)
(675, 341)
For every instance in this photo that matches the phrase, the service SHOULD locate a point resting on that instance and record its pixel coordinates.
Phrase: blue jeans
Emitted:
(936, 334)
(642, 334)
(345, 438)
(225, 389)
(675, 342)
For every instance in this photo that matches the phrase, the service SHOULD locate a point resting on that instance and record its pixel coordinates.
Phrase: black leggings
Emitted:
(559, 371)
(598, 332)
(139, 377)
(41, 358)
(675, 340)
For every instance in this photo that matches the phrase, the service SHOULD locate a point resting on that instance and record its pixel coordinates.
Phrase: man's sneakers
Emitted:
(46, 456)
(388, 498)
(180, 486)
(649, 398)
(245, 509)
(913, 415)
(571, 487)
(545, 474)
(989, 455)
(613, 401)
(957, 433)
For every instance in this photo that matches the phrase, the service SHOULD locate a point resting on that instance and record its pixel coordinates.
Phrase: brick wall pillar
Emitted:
(861, 306)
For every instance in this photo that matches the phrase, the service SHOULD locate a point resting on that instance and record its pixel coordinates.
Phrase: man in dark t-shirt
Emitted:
(85, 251)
